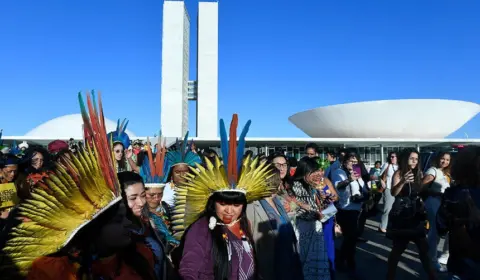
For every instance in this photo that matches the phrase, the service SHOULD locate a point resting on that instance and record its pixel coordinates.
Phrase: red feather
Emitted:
(96, 125)
(232, 151)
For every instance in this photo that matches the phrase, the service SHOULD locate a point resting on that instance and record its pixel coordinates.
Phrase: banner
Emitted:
(8, 195)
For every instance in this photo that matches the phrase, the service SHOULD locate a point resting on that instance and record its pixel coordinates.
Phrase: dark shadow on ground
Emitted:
(372, 257)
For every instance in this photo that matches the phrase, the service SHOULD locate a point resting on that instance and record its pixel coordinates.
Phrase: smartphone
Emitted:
(357, 169)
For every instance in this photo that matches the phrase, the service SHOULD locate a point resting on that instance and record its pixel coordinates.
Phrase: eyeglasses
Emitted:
(281, 165)
(118, 151)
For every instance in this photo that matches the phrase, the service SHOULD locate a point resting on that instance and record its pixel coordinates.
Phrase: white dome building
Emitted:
(401, 119)
(66, 127)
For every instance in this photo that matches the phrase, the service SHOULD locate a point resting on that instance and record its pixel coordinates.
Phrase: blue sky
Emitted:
(277, 57)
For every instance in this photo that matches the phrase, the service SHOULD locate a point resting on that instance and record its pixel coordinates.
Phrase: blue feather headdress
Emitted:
(152, 171)
(182, 155)
(119, 135)
(14, 150)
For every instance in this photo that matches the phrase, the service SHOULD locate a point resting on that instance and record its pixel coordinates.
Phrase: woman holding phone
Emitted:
(408, 219)
(351, 189)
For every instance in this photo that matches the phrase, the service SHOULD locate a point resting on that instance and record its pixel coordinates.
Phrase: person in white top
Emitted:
(351, 190)
(436, 180)
(386, 175)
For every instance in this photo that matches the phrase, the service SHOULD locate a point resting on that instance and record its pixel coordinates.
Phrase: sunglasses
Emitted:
(118, 151)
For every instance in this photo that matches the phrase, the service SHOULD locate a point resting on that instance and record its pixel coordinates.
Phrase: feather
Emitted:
(224, 144)
(183, 150)
(241, 145)
(232, 152)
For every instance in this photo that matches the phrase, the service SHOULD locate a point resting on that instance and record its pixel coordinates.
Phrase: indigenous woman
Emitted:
(134, 197)
(178, 161)
(157, 211)
(313, 252)
(124, 158)
(274, 237)
(218, 244)
(78, 227)
(35, 167)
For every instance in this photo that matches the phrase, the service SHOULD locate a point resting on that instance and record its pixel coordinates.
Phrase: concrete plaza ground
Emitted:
(372, 257)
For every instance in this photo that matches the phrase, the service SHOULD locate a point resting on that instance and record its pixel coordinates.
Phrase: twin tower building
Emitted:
(176, 87)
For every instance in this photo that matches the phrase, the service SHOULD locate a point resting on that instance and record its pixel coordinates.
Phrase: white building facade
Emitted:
(175, 69)
(207, 70)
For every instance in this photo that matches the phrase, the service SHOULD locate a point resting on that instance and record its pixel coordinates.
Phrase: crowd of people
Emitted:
(112, 208)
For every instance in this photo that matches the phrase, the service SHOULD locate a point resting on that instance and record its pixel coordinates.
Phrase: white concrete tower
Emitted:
(175, 69)
(207, 70)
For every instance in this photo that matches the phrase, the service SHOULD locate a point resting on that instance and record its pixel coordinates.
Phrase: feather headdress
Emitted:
(79, 190)
(235, 174)
(182, 154)
(153, 170)
(119, 135)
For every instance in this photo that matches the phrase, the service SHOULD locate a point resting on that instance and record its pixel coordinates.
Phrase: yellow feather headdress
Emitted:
(234, 174)
(81, 188)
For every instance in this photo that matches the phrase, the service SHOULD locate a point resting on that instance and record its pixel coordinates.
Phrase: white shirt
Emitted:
(169, 195)
(440, 183)
(391, 170)
(344, 195)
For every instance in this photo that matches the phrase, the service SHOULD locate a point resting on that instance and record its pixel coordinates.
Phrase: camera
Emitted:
(357, 198)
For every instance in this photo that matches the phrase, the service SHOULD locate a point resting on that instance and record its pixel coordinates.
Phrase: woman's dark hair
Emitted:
(305, 166)
(311, 146)
(26, 163)
(439, 157)
(389, 158)
(288, 180)
(122, 163)
(292, 162)
(403, 166)
(83, 242)
(466, 170)
(348, 156)
(219, 247)
(126, 179)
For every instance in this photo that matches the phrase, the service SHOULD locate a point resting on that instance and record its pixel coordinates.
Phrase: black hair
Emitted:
(219, 247)
(331, 153)
(403, 166)
(287, 180)
(466, 170)
(312, 146)
(126, 179)
(305, 166)
(389, 158)
(292, 161)
(379, 162)
(122, 163)
(26, 163)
